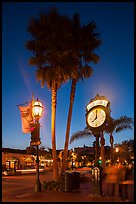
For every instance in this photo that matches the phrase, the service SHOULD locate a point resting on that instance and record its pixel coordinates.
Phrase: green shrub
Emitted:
(52, 185)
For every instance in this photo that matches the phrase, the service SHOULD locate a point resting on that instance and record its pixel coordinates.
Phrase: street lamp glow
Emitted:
(116, 149)
(37, 109)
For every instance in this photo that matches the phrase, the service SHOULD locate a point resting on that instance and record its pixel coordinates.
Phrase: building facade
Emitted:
(14, 159)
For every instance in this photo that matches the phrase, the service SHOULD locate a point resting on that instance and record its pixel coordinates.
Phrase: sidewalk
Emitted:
(80, 195)
(83, 194)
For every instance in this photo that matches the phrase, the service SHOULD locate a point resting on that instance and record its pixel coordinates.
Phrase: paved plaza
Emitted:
(83, 194)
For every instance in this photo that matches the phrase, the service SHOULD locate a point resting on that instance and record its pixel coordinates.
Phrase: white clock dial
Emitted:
(96, 117)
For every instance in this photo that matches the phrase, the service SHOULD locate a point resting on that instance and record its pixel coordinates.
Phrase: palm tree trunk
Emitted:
(72, 96)
(53, 121)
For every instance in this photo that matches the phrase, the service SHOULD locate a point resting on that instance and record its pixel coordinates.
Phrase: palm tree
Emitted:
(51, 53)
(87, 133)
(85, 41)
(114, 126)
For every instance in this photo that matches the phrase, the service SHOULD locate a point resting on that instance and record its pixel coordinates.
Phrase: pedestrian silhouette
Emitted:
(123, 177)
(111, 181)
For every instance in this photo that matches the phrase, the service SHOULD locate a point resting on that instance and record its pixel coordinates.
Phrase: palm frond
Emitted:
(116, 125)
(81, 134)
(123, 127)
(86, 71)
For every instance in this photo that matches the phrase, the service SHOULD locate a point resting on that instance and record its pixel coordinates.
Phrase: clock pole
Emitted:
(96, 149)
(97, 116)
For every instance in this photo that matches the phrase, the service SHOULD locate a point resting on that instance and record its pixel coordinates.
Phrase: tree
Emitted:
(125, 151)
(51, 56)
(31, 150)
(85, 134)
(84, 42)
(115, 126)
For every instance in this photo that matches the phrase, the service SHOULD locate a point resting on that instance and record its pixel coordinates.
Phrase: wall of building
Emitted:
(16, 160)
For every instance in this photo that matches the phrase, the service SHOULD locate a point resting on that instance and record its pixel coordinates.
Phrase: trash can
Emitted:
(75, 176)
(66, 181)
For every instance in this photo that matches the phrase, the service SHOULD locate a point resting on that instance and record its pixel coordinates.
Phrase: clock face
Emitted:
(96, 117)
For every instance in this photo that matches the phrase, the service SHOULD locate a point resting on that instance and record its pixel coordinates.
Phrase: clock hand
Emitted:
(95, 116)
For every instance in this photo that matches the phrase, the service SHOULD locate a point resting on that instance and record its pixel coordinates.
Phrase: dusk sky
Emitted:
(112, 77)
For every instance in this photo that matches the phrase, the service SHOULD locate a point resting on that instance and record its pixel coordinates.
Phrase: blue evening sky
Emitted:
(112, 77)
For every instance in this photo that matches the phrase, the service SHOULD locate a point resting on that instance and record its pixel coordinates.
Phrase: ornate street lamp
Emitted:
(37, 110)
(117, 153)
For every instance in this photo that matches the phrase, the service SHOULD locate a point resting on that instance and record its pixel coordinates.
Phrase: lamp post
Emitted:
(37, 110)
(117, 151)
(72, 159)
